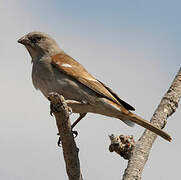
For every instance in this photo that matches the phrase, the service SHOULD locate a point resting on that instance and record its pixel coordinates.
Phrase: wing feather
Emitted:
(72, 68)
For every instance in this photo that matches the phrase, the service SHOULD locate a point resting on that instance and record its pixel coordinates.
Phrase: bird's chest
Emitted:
(48, 79)
(42, 75)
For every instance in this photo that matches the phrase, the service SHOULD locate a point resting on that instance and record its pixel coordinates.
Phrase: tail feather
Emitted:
(129, 123)
(146, 124)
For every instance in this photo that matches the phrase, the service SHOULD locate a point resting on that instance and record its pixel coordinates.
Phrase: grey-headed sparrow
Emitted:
(55, 71)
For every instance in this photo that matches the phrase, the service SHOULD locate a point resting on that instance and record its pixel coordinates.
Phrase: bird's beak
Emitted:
(23, 40)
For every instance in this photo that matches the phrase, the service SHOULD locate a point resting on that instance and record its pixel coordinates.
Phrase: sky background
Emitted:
(133, 46)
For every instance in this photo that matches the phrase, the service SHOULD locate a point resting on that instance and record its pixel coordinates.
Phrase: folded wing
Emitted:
(72, 68)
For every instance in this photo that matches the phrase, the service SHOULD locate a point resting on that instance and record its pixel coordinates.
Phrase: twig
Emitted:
(70, 150)
(166, 108)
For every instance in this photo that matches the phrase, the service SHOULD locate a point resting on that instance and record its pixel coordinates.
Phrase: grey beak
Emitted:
(23, 40)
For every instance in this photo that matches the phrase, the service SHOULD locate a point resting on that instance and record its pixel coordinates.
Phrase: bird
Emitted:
(53, 70)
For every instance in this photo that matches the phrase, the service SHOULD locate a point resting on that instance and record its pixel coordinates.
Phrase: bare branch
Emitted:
(70, 150)
(166, 108)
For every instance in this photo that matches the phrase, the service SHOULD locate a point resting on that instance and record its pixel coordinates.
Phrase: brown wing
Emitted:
(125, 104)
(72, 68)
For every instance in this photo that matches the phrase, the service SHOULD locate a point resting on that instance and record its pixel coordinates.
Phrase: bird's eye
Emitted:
(38, 38)
(35, 39)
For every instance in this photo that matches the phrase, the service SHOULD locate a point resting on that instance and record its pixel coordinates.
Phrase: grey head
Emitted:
(39, 44)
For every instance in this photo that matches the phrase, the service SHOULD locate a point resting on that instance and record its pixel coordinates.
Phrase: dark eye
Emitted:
(38, 38)
(35, 39)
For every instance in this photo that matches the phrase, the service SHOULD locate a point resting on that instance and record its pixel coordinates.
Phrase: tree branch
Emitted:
(70, 150)
(166, 108)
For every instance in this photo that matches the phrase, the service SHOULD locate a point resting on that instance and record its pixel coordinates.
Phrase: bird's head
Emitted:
(39, 44)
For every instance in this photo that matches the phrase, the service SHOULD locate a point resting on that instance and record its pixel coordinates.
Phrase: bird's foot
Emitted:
(164, 124)
(75, 134)
(54, 108)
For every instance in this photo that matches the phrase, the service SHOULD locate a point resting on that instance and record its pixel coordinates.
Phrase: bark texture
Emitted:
(122, 145)
(70, 150)
(166, 108)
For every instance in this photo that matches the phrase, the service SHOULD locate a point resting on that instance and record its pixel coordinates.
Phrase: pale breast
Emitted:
(42, 75)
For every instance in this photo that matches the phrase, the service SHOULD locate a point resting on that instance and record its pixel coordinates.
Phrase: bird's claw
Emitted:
(54, 109)
(70, 110)
(164, 124)
(75, 134)
(59, 141)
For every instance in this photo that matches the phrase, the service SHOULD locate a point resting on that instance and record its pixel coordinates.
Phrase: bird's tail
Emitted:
(146, 124)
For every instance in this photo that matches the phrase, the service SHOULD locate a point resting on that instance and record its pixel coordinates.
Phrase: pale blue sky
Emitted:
(133, 46)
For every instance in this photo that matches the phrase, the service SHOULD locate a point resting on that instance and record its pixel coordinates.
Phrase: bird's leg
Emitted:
(81, 116)
(75, 133)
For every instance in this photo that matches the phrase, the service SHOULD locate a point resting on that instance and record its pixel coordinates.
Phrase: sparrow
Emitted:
(55, 71)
